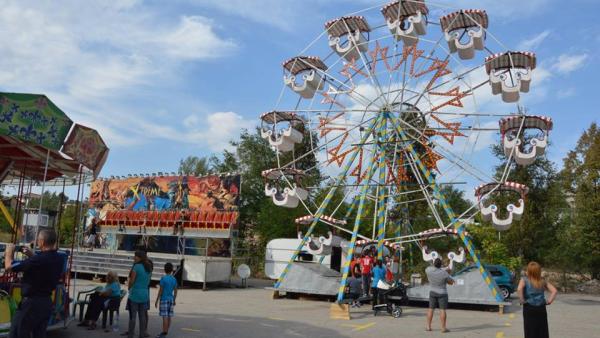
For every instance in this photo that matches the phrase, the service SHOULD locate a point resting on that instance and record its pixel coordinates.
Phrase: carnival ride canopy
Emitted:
(38, 141)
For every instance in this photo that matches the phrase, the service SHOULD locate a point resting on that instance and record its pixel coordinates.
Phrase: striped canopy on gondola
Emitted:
(279, 116)
(401, 9)
(298, 64)
(510, 60)
(484, 189)
(464, 19)
(347, 24)
(543, 123)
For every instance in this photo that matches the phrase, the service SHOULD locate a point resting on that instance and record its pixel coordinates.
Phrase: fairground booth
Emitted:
(41, 147)
(186, 220)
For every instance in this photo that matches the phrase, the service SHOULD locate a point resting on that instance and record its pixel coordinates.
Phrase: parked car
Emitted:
(504, 278)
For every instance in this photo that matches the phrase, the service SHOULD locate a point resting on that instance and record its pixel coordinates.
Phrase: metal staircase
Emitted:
(101, 261)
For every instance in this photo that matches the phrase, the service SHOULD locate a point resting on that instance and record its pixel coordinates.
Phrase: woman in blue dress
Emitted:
(531, 295)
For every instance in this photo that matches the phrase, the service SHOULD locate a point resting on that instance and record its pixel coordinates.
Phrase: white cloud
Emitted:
(534, 42)
(104, 63)
(511, 9)
(288, 15)
(220, 128)
(277, 13)
(541, 74)
(196, 39)
(568, 63)
(566, 92)
(191, 121)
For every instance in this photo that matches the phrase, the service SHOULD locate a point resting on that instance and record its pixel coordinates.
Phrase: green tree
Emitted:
(581, 178)
(533, 237)
(67, 224)
(492, 249)
(260, 219)
(194, 165)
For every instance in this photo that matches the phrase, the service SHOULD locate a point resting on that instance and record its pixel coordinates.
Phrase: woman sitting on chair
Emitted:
(99, 299)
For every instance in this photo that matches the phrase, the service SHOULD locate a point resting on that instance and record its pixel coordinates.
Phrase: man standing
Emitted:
(366, 263)
(438, 294)
(92, 233)
(184, 219)
(41, 273)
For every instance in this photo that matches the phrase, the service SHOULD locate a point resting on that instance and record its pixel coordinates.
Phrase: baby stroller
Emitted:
(392, 296)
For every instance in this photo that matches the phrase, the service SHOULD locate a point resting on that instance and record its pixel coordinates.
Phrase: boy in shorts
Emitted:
(166, 299)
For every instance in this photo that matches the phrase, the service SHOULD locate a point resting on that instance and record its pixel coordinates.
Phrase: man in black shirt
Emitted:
(41, 273)
(92, 233)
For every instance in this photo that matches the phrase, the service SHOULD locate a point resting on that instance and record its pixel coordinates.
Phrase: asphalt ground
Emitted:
(251, 312)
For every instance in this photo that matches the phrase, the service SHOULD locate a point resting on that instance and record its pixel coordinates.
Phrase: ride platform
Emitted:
(469, 288)
(311, 278)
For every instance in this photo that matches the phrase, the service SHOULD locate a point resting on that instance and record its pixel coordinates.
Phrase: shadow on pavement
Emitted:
(366, 312)
(581, 301)
(187, 325)
(192, 325)
(474, 327)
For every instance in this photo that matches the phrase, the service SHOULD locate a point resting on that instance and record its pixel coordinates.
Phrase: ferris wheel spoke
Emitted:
(424, 61)
(372, 77)
(443, 83)
(342, 87)
(329, 142)
(456, 159)
(424, 187)
(323, 206)
(332, 110)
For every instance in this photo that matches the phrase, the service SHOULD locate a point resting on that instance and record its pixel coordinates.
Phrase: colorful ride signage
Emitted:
(33, 118)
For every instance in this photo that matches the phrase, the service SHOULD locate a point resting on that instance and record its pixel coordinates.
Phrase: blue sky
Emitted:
(162, 80)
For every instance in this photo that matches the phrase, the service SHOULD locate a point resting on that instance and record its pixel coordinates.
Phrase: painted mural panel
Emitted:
(209, 193)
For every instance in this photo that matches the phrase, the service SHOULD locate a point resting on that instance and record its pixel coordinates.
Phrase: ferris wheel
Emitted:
(394, 102)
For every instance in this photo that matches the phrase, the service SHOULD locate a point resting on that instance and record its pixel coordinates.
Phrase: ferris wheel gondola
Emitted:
(347, 36)
(288, 197)
(490, 212)
(308, 67)
(282, 129)
(406, 20)
(511, 128)
(470, 23)
(510, 73)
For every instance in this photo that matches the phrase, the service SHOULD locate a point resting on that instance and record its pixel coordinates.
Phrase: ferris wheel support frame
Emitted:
(451, 215)
(357, 222)
(322, 207)
(382, 192)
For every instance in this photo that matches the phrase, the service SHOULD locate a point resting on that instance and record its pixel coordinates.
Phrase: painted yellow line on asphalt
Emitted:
(358, 327)
(511, 316)
(507, 324)
(190, 330)
(500, 334)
